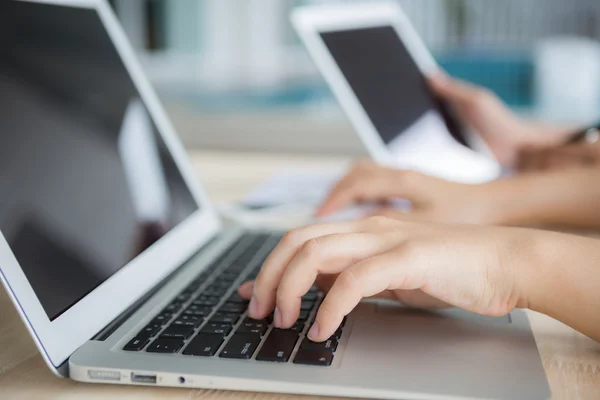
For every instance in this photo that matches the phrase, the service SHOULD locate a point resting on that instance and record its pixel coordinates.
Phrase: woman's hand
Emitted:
(505, 133)
(432, 199)
(573, 155)
(485, 270)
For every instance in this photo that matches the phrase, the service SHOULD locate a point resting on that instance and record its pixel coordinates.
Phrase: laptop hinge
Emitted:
(117, 322)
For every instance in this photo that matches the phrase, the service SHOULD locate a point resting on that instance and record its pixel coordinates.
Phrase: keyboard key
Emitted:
(178, 332)
(307, 305)
(297, 327)
(257, 321)
(163, 345)
(216, 328)
(205, 301)
(150, 330)
(198, 310)
(235, 308)
(328, 345)
(311, 296)
(214, 292)
(160, 320)
(241, 345)
(235, 298)
(225, 318)
(303, 315)
(173, 307)
(183, 297)
(137, 343)
(252, 276)
(310, 357)
(253, 327)
(195, 319)
(337, 335)
(230, 276)
(204, 344)
(220, 284)
(278, 347)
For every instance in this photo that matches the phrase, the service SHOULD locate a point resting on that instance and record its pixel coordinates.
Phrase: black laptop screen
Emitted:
(86, 182)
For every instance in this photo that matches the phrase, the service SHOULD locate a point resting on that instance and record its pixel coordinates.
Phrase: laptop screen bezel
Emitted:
(59, 338)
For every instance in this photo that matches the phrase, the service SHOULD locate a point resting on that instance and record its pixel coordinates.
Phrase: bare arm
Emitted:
(565, 279)
(569, 198)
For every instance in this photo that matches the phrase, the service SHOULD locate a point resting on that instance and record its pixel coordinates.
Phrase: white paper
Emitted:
(295, 195)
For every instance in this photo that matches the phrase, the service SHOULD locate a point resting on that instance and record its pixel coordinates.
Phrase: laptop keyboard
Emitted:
(209, 319)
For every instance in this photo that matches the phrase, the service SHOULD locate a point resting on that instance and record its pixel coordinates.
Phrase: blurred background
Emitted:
(233, 74)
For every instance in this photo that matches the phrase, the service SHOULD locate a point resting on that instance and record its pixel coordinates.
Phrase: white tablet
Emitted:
(375, 64)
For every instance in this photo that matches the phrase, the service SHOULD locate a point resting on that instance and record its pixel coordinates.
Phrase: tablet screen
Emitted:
(389, 85)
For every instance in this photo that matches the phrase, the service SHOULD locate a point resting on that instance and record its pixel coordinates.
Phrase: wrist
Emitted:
(537, 276)
(493, 203)
(558, 277)
(523, 200)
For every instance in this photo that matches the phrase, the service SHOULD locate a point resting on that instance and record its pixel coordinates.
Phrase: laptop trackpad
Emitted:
(393, 308)
(449, 352)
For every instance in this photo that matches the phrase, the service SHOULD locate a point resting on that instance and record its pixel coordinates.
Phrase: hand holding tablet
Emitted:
(376, 65)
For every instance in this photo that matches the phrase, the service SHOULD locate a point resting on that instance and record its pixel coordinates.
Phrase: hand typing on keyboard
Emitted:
(487, 270)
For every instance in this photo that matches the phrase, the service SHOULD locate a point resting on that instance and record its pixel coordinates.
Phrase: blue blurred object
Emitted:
(509, 74)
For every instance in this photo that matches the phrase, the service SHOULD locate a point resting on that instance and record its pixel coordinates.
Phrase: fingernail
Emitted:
(314, 331)
(253, 307)
(277, 318)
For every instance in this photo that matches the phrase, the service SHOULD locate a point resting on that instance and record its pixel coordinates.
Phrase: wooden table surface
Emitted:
(571, 360)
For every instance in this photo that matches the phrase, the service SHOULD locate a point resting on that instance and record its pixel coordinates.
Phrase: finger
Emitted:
(453, 89)
(385, 185)
(533, 160)
(526, 159)
(580, 153)
(359, 173)
(364, 279)
(246, 289)
(561, 160)
(389, 212)
(267, 281)
(332, 202)
(329, 254)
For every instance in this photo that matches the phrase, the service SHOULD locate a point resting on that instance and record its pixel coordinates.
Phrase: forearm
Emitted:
(563, 282)
(569, 198)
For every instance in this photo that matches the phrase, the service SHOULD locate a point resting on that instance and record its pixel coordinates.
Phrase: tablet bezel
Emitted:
(311, 21)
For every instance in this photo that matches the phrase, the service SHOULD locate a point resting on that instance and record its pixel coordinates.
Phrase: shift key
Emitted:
(241, 345)
(278, 347)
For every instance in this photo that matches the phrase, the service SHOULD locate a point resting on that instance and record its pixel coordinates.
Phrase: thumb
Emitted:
(452, 89)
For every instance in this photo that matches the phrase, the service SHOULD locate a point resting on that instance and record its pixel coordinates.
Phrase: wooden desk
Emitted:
(571, 360)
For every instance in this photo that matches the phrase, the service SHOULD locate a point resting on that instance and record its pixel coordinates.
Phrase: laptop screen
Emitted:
(86, 181)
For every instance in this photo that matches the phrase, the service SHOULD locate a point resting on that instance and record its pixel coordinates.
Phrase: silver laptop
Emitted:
(122, 272)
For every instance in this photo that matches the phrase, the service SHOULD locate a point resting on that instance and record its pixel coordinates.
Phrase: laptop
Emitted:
(375, 64)
(123, 273)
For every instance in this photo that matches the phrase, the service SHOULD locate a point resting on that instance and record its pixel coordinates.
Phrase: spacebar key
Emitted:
(278, 347)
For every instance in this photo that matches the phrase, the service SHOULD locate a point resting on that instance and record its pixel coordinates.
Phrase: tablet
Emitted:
(375, 64)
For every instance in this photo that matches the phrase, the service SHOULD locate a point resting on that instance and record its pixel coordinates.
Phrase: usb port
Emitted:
(139, 378)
